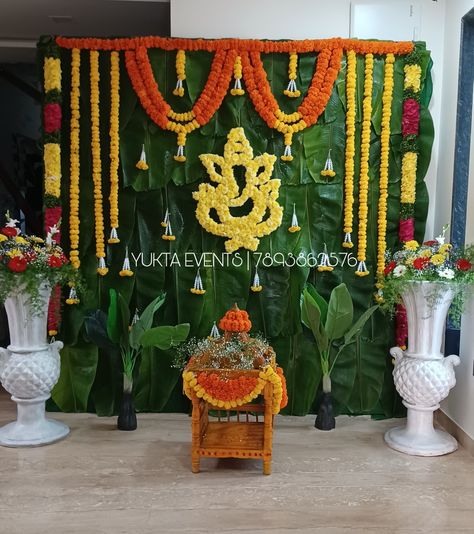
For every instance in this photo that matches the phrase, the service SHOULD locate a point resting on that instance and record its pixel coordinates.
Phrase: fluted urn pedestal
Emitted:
(422, 375)
(29, 368)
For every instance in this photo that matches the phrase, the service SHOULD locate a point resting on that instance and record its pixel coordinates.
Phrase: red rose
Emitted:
(52, 118)
(420, 263)
(431, 243)
(410, 117)
(54, 261)
(9, 231)
(389, 268)
(17, 264)
(463, 265)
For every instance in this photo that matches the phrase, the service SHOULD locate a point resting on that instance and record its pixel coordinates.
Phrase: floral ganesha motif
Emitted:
(243, 231)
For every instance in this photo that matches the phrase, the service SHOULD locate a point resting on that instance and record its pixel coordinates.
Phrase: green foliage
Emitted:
(361, 376)
(337, 332)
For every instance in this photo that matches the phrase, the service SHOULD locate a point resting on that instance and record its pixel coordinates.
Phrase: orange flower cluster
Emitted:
(235, 320)
(211, 45)
(227, 389)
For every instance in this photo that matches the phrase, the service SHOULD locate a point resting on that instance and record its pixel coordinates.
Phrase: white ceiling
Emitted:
(23, 21)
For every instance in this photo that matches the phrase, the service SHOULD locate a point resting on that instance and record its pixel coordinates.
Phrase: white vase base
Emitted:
(434, 443)
(43, 432)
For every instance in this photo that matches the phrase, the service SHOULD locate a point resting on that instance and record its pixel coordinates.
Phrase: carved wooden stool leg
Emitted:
(267, 467)
(195, 463)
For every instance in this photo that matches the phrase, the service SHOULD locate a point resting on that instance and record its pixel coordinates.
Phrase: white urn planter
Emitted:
(29, 368)
(422, 375)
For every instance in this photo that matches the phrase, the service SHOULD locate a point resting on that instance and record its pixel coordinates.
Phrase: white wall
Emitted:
(460, 404)
(439, 25)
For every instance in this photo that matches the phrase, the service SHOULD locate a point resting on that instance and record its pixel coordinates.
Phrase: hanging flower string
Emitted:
(383, 183)
(126, 269)
(328, 167)
(409, 150)
(141, 163)
(364, 166)
(295, 227)
(114, 145)
(214, 334)
(237, 89)
(74, 169)
(96, 163)
(325, 265)
(168, 235)
(256, 286)
(180, 72)
(52, 115)
(198, 288)
(292, 91)
(166, 219)
(351, 79)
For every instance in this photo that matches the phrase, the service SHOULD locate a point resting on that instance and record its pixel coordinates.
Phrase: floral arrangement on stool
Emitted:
(428, 279)
(29, 367)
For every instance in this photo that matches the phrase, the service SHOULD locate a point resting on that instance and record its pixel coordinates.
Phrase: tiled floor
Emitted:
(100, 480)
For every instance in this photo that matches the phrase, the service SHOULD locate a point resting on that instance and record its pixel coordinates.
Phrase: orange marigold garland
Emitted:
(114, 145)
(292, 91)
(96, 163)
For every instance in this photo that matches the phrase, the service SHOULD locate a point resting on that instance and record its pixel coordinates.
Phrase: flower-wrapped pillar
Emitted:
(29, 368)
(423, 376)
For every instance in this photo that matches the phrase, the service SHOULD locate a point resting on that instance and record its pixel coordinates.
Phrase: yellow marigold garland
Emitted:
(52, 74)
(180, 72)
(268, 374)
(364, 166)
(383, 185)
(408, 185)
(114, 144)
(96, 162)
(52, 169)
(237, 89)
(292, 91)
(351, 78)
(74, 171)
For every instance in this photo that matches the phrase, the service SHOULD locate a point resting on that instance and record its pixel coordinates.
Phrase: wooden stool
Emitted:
(242, 432)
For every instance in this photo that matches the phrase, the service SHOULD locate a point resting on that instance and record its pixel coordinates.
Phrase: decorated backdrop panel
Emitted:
(124, 177)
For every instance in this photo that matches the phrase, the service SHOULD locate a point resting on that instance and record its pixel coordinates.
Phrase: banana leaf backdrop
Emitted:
(362, 380)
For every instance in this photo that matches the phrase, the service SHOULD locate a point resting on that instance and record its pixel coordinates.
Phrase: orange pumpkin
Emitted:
(235, 320)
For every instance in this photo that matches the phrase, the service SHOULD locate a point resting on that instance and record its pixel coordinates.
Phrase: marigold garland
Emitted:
(264, 46)
(228, 393)
(114, 144)
(52, 169)
(384, 155)
(351, 79)
(364, 166)
(52, 74)
(237, 89)
(292, 91)
(180, 72)
(74, 169)
(96, 162)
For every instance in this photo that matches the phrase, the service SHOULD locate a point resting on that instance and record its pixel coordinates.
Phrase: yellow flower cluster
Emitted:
(437, 259)
(291, 90)
(96, 162)
(180, 72)
(384, 154)
(114, 144)
(411, 245)
(237, 90)
(412, 77)
(52, 74)
(268, 374)
(294, 229)
(351, 76)
(364, 165)
(52, 169)
(259, 187)
(74, 158)
(408, 184)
